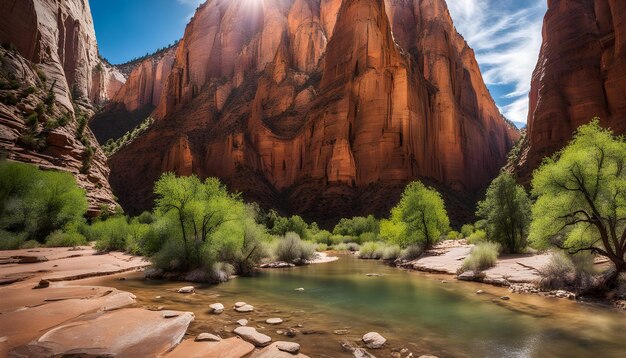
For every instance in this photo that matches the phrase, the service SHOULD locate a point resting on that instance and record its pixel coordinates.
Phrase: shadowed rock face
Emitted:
(57, 39)
(581, 74)
(320, 107)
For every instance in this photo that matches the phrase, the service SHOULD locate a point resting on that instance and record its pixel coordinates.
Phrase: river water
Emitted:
(422, 313)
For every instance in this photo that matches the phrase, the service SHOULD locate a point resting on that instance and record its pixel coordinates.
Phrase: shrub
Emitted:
(564, 271)
(454, 235)
(477, 237)
(353, 246)
(321, 247)
(10, 99)
(467, 230)
(10, 240)
(65, 239)
(482, 257)
(371, 250)
(28, 91)
(357, 226)
(391, 252)
(364, 237)
(110, 234)
(340, 247)
(322, 237)
(411, 252)
(32, 120)
(291, 248)
(30, 244)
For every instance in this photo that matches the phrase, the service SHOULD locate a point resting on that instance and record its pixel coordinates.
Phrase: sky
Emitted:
(505, 35)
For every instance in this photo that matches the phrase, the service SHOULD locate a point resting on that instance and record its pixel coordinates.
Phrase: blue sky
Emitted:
(505, 34)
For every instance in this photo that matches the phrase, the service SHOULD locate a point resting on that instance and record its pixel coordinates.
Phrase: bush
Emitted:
(364, 237)
(353, 246)
(391, 252)
(564, 271)
(412, 252)
(371, 250)
(467, 230)
(65, 239)
(30, 244)
(322, 237)
(477, 237)
(454, 235)
(357, 226)
(10, 240)
(291, 248)
(482, 257)
(321, 247)
(110, 234)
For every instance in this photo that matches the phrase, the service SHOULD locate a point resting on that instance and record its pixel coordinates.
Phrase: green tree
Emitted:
(506, 211)
(419, 218)
(581, 197)
(357, 225)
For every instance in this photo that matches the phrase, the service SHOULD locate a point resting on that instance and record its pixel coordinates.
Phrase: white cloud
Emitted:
(506, 36)
(191, 2)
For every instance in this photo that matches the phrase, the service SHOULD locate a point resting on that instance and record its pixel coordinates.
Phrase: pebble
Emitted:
(187, 289)
(242, 322)
(505, 298)
(207, 337)
(480, 292)
(245, 308)
(289, 347)
(273, 321)
(374, 340)
(216, 308)
(240, 304)
(170, 314)
(299, 289)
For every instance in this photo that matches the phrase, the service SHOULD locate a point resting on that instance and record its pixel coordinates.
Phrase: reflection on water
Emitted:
(412, 310)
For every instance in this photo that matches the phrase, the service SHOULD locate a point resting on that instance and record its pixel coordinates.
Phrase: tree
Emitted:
(419, 218)
(356, 226)
(506, 211)
(581, 198)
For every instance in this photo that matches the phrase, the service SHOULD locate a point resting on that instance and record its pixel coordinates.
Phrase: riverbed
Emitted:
(418, 312)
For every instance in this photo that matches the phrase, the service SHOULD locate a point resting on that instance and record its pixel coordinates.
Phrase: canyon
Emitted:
(315, 107)
(581, 74)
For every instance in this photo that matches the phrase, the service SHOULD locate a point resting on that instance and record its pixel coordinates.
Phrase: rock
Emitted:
(299, 289)
(42, 284)
(273, 321)
(242, 322)
(559, 81)
(362, 353)
(374, 274)
(207, 337)
(228, 348)
(273, 351)
(279, 264)
(170, 314)
(291, 138)
(187, 289)
(505, 298)
(348, 346)
(251, 335)
(245, 308)
(341, 332)
(289, 347)
(480, 292)
(374, 340)
(240, 304)
(290, 332)
(216, 308)
(153, 273)
(428, 356)
(444, 281)
(471, 276)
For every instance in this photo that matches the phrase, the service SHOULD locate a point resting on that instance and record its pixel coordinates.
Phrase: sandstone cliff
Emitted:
(140, 94)
(323, 108)
(581, 74)
(50, 69)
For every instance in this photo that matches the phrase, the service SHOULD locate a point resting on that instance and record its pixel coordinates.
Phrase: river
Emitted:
(422, 313)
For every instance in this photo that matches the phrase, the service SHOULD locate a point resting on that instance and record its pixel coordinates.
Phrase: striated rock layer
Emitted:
(52, 48)
(139, 96)
(581, 74)
(324, 108)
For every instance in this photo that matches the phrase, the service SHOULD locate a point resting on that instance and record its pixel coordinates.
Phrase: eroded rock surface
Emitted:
(581, 74)
(320, 107)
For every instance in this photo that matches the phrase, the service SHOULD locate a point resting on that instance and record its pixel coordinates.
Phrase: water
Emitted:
(415, 311)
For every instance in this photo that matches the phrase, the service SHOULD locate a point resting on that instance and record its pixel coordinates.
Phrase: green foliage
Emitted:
(82, 124)
(391, 252)
(411, 252)
(9, 99)
(372, 250)
(112, 146)
(454, 235)
(282, 225)
(506, 211)
(110, 234)
(65, 239)
(87, 158)
(477, 237)
(419, 218)
(581, 196)
(36, 203)
(41, 74)
(356, 226)
(291, 248)
(482, 257)
(467, 230)
(564, 271)
(11, 241)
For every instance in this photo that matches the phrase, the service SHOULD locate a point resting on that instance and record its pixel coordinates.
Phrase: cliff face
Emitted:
(320, 107)
(51, 47)
(138, 96)
(581, 74)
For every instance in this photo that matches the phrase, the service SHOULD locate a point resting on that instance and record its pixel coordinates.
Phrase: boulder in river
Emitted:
(245, 308)
(242, 322)
(289, 347)
(362, 353)
(239, 304)
(187, 289)
(471, 276)
(43, 284)
(251, 335)
(374, 340)
(216, 308)
(273, 321)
